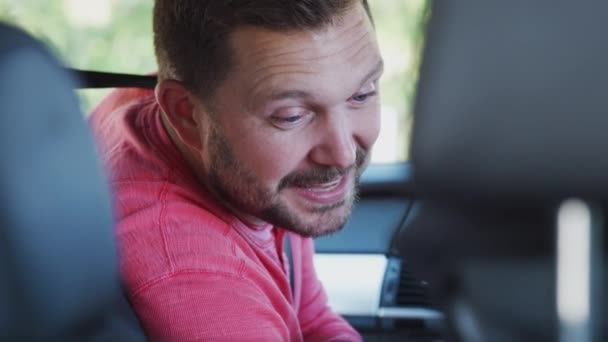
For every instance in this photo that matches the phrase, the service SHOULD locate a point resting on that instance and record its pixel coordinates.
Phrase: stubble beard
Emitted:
(239, 190)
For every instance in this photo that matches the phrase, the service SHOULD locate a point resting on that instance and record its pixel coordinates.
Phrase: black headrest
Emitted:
(512, 99)
(58, 265)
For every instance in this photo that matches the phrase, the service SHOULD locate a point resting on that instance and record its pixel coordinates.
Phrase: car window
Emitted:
(115, 36)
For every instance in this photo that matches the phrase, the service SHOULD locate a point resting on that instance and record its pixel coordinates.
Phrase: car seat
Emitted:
(508, 156)
(58, 264)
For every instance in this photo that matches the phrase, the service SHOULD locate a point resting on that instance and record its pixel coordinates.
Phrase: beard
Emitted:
(239, 189)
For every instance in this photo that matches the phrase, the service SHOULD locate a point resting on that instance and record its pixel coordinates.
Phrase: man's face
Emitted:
(293, 123)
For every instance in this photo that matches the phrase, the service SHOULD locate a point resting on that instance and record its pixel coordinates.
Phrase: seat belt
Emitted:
(287, 250)
(95, 79)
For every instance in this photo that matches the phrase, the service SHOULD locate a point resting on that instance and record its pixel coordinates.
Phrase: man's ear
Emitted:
(180, 110)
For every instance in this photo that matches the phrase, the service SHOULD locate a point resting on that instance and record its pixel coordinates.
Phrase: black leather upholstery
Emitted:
(512, 100)
(58, 264)
(510, 120)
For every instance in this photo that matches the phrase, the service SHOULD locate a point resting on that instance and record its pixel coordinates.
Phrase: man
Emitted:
(261, 123)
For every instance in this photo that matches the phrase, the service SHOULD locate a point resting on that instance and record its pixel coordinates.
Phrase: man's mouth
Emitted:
(325, 193)
(324, 186)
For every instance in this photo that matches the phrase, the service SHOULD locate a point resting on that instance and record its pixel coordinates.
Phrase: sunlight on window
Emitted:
(385, 150)
(88, 13)
(116, 36)
(573, 262)
(400, 26)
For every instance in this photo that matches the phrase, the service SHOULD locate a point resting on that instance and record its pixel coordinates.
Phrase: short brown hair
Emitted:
(191, 36)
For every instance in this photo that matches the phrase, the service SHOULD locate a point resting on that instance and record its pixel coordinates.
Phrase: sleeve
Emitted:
(317, 320)
(199, 306)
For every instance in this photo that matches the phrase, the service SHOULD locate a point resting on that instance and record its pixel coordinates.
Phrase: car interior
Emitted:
(492, 232)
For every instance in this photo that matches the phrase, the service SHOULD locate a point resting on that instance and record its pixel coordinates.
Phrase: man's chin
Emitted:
(314, 230)
(308, 218)
(322, 220)
(329, 229)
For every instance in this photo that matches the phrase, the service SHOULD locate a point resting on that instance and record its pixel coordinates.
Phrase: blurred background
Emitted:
(116, 36)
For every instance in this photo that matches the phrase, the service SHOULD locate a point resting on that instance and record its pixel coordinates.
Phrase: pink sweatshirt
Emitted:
(193, 271)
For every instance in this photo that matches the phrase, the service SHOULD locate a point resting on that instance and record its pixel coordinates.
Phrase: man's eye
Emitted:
(361, 97)
(284, 121)
(365, 93)
(290, 120)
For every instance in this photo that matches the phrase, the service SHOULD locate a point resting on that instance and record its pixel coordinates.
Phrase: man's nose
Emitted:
(337, 147)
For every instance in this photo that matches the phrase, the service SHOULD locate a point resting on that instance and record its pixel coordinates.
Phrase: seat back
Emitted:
(510, 121)
(58, 263)
(511, 100)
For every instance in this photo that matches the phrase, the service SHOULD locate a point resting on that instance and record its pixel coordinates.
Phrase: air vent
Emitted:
(411, 292)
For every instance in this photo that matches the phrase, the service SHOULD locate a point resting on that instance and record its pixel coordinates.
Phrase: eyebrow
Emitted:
(290, 94)
(377, 70)
(301, 94)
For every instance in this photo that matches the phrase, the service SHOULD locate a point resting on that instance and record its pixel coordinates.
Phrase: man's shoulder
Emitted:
(129, 140)
(113, 108)
(171, 236)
